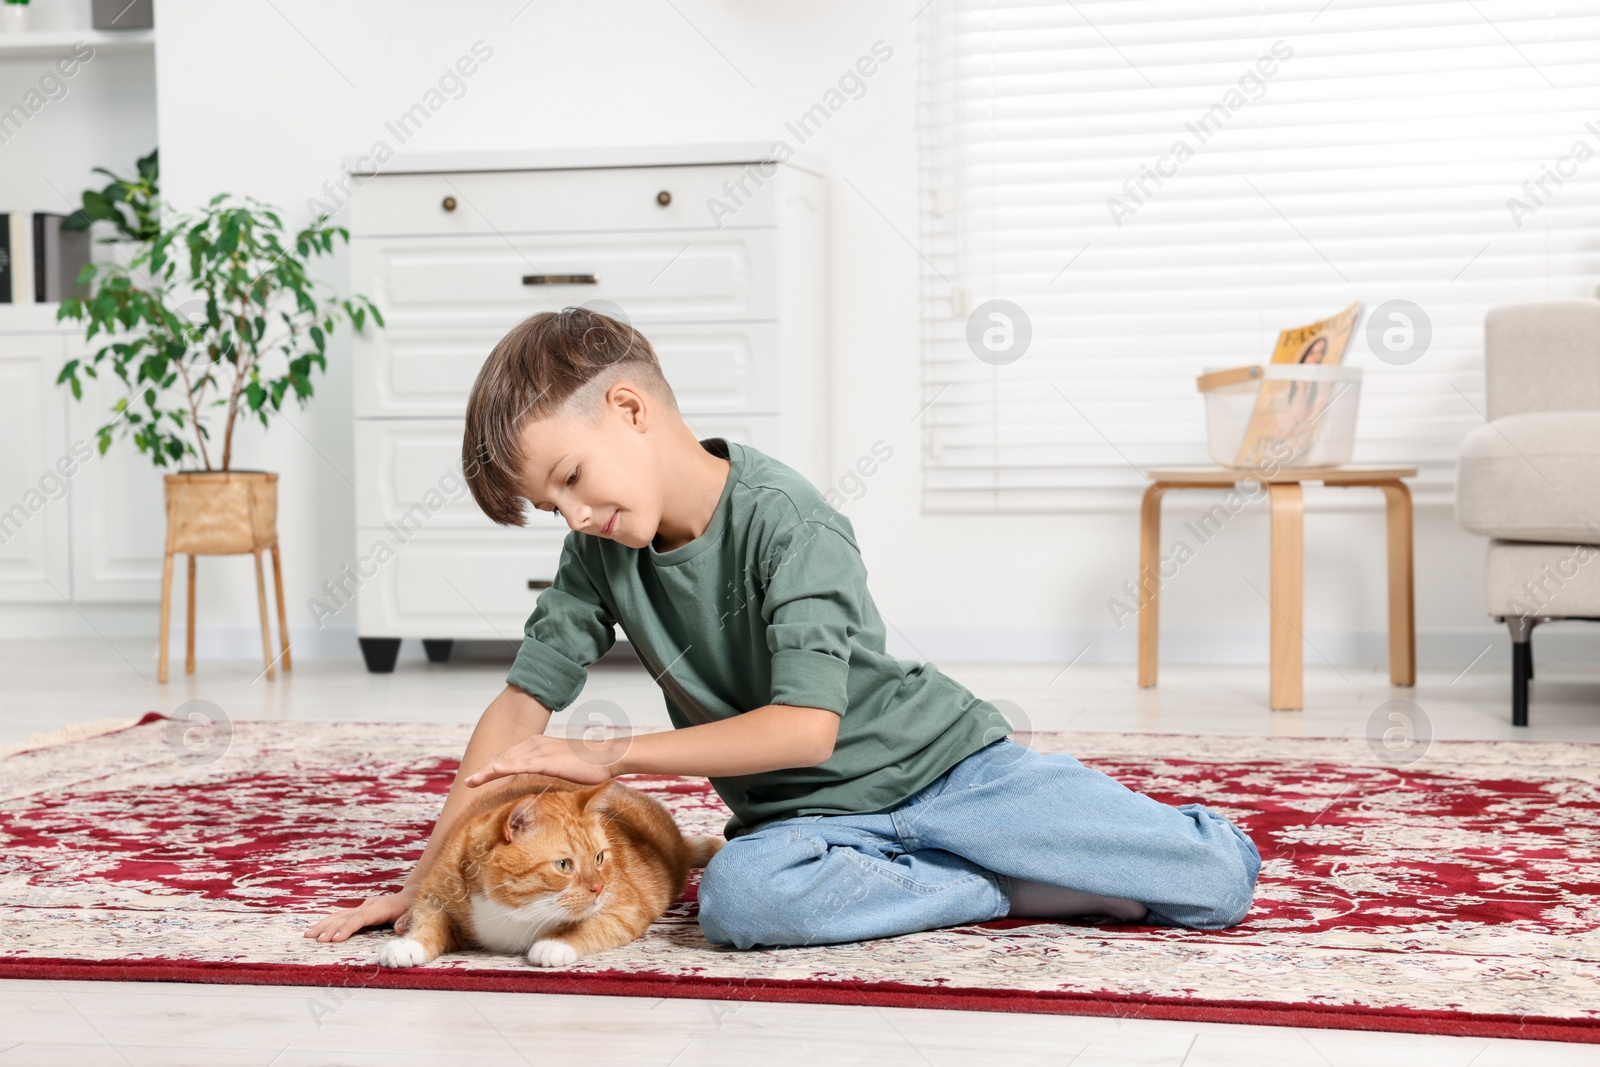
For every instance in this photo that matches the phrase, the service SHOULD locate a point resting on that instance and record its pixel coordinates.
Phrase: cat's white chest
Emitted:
(514, 930)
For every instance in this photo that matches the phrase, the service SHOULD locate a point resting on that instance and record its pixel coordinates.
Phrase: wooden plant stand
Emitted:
(223, 513)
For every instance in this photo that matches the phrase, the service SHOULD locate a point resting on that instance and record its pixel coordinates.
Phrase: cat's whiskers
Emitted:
(549, 902)
(503, 928)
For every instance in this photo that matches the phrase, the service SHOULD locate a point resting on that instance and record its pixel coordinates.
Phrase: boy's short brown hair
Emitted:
(547, 360)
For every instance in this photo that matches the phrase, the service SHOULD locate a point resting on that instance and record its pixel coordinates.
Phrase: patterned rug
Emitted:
(1456, 895)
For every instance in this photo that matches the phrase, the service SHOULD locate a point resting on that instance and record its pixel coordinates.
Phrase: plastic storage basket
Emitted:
(1317, 403)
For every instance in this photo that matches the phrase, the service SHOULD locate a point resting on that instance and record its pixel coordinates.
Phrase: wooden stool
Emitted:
(1287, 577)
(223, 513)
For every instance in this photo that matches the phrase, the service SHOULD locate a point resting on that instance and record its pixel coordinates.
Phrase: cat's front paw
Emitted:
(551, 953)
(403, 952)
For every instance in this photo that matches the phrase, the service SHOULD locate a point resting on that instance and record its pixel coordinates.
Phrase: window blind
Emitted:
(1162, 186)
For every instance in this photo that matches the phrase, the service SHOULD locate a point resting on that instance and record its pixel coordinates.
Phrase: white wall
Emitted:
(266, 99)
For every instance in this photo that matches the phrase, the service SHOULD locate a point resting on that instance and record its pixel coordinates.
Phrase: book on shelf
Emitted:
(38, 262)
(16, 286)
(58, 256)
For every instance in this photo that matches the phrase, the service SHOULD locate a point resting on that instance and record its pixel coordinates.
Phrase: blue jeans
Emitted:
(945, 857)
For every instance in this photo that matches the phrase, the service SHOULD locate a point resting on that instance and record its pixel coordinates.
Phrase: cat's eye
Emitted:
(600, 857)
(563, 865)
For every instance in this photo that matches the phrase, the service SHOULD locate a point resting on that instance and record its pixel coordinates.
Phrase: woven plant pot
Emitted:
(223, 513)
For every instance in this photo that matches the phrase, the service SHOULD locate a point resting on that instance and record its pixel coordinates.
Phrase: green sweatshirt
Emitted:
(768, 606)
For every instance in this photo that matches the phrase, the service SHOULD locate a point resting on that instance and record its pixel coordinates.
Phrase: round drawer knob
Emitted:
(663, 198)
(449, 203)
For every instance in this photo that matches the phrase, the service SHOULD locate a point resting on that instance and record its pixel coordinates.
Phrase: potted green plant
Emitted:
(130, 208)
(131, 205)
(213, 309)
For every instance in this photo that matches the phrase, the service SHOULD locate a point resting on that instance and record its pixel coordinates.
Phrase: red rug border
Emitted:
(810, 991)
(802, 991)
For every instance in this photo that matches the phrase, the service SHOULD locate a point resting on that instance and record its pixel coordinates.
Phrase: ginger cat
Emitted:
(550, 869)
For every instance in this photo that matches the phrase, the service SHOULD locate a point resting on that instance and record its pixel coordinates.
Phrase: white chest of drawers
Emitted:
(716, 254)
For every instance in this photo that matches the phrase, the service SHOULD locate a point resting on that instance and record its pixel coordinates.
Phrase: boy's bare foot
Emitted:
(1040, 900)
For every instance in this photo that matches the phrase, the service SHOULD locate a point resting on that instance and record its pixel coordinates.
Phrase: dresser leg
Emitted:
(438, 648)
(1287, 596)
(380, 653)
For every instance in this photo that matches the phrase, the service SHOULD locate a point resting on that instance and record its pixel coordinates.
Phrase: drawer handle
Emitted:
(663, 198)
(538, 583)
(560, 279)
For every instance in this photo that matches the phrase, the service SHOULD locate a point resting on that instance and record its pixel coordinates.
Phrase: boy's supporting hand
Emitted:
(766, 738)
(573, 758)
(374, 911)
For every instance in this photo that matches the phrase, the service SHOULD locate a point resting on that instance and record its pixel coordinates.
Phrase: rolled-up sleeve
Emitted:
(812, 606)
(569, 629)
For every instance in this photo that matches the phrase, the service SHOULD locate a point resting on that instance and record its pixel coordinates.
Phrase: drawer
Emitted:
(459, 584)
(488, 281)
(566, 201)
(408, 472)
(714, 368)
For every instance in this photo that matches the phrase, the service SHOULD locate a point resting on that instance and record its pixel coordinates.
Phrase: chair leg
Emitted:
(283, 619)
(188, 659)
(1521, 665)
(1519, 684)
(166, 616)
(261, 603)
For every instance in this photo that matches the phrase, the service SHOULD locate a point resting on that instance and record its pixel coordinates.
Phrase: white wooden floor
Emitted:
(50, 684)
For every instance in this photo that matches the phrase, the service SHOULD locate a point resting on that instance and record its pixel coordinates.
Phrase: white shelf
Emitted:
(36, 318)
(581, 158)
(61, 42)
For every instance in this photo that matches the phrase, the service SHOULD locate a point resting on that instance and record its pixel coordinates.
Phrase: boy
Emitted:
(871, 796)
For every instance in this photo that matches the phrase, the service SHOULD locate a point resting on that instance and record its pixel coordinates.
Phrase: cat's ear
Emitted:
(520, 817)
(595, 798)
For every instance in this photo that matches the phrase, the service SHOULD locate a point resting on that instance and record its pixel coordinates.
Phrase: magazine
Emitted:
(1285, 416)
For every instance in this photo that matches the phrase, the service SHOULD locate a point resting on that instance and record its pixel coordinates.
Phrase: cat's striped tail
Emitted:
(701, 849)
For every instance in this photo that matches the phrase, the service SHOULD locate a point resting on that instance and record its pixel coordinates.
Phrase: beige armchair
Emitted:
(1529, 479)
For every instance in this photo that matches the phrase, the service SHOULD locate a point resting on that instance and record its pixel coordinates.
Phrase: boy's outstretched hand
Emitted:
(374, 911)
(573, 758)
